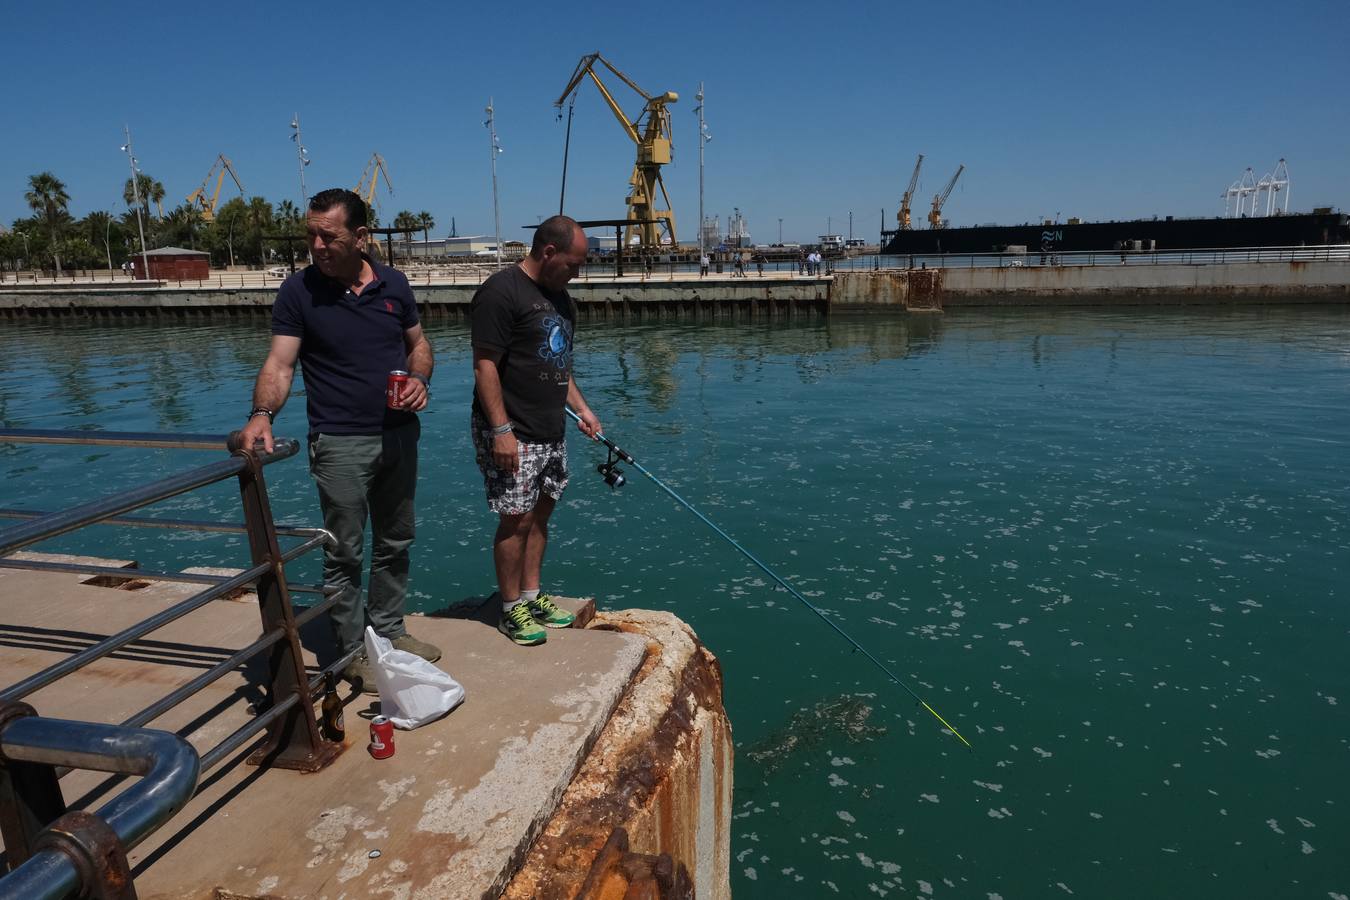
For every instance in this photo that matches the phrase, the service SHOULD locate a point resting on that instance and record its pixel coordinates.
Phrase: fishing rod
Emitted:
(613, 477)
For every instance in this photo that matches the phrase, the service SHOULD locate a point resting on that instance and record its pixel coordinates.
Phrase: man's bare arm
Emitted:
(589, 423)
(272, 388)
(420, 363)
(487, 380)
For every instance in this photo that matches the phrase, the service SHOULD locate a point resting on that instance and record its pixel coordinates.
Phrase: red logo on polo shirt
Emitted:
(388, 306)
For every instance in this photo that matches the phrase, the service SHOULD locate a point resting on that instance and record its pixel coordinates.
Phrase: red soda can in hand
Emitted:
(393, 389)
(381, 737)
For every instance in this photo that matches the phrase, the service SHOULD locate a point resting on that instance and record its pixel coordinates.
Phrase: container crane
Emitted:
(935, 215)
(198, 198)
(370, 178)
(651, 132)
(903, 215)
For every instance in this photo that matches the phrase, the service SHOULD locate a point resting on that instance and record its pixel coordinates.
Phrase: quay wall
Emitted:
(1257, 282)
(605, 298)
(1237, 282)
(916, 290)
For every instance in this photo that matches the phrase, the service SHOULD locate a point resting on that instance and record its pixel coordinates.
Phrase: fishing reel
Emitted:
(610, 471)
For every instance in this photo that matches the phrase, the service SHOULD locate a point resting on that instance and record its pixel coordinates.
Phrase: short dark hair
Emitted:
(559, 231)
(350, 201)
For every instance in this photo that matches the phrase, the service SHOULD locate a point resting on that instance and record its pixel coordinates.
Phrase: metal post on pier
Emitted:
(293, 739)
(30, 795)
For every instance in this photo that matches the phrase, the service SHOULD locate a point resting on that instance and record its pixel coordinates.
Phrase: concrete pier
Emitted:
(568, 767)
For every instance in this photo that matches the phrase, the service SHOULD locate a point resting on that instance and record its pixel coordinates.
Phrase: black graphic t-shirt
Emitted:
(532, 329)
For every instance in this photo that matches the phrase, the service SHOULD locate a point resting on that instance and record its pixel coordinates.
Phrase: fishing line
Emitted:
(614, 478)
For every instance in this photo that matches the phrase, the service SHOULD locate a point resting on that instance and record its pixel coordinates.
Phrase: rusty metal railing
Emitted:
(36, 826)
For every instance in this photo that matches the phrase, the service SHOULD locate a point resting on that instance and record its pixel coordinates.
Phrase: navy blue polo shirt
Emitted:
(348, 346)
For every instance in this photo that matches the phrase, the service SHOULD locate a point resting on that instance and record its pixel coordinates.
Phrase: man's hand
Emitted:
(258, 428)
(414, 395)
(506, 452)
(588, 423)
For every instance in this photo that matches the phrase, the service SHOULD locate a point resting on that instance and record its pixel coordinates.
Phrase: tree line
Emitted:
(243, 231)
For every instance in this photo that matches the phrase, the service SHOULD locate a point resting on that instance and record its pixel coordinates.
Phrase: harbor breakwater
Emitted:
(922, 289)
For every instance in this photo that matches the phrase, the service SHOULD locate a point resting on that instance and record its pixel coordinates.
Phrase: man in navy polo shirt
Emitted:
(350, 321)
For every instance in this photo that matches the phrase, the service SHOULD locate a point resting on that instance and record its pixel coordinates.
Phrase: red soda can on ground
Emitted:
(393, 389)
(381, 737)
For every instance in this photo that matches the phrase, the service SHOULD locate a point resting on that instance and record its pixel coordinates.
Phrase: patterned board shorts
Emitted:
(543, 467)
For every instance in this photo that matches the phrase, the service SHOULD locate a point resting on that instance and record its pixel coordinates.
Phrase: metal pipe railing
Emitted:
(216, 672)
(126, 636)
(166, 763)
(46, 876)
(114, 439)
(129, 574)
(241, 735)
(177, 524)
(16, 537)
(124, 572)
(61, 859)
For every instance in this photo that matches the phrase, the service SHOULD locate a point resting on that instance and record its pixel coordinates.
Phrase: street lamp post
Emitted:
(780, 229)
(107, 243)
(703, 138)
(24, 235)
(230, 239)
(136, 195)
(302, 156)
(496, 206)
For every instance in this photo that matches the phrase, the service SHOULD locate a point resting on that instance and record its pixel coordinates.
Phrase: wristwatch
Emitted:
(499, 430)
(263, 411)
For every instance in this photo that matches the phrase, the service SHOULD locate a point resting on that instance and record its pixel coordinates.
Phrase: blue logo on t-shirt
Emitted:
(557, 346)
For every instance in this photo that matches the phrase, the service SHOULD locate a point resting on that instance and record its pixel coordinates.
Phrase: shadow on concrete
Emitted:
(473, 608)
(167, 653)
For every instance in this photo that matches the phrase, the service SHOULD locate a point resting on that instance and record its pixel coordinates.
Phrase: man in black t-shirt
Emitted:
(523, 321)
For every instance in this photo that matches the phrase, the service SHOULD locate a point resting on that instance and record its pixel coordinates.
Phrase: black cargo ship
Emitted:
(1289, 230)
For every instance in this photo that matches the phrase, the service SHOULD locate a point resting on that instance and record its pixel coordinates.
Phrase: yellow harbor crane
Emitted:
(198, 198)
(935, 215)
(903, 215)
(651, 132)
(370, 178)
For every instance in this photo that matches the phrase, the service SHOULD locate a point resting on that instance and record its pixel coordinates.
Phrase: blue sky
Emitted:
(1100, 110)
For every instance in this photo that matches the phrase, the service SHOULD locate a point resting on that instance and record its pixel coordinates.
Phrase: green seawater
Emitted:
(1110, 547)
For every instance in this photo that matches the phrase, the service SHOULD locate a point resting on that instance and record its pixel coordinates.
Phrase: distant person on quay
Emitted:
(523, 321)
(350, 321)
(703, 263)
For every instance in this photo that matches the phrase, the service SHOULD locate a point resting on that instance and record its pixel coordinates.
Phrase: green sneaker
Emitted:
(550, 614)
(519, 626)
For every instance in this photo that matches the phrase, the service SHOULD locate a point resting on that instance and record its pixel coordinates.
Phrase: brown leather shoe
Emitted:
(361, 675)
(429, 652)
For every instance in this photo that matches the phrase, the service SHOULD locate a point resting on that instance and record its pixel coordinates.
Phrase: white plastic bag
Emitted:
(413, 692)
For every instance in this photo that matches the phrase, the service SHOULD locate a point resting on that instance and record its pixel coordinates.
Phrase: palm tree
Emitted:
(405, 219)
(180, 223)
(260, 217)
(288, 215)
(47, 196)
(98, 229)
(427, 222)
(150, 190)
(228, 218)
